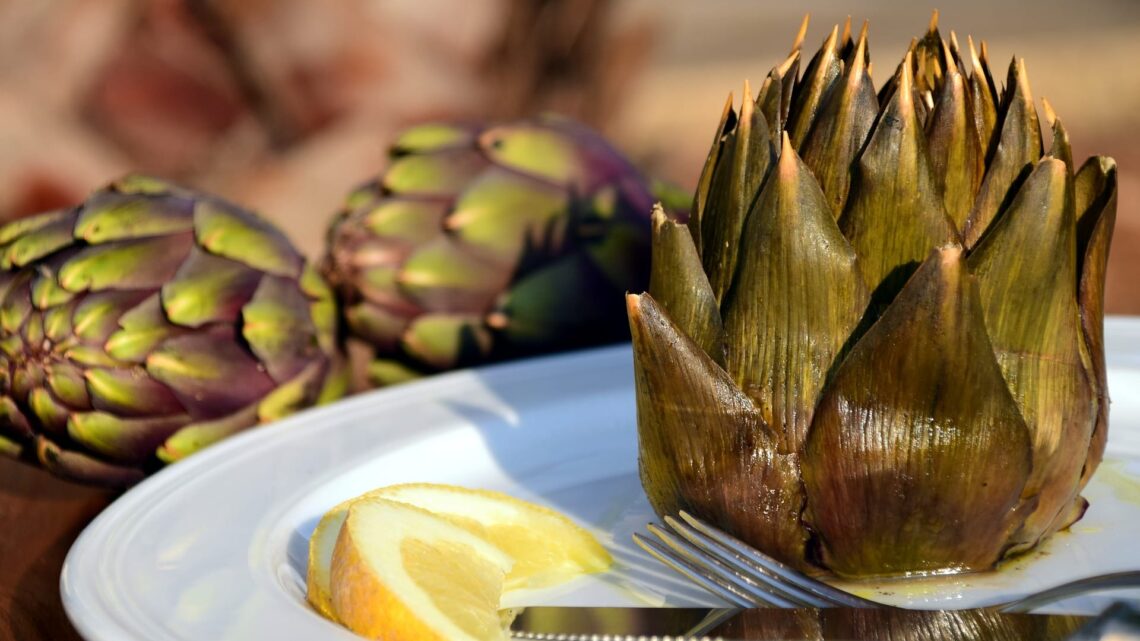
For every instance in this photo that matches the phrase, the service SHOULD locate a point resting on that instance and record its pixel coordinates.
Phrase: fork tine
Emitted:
(716, 570)
(751, 573)
(694, 574)
(788, 574)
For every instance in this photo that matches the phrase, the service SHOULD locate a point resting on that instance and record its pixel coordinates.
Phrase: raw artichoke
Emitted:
(479, 244)
(149, 322)
(877, 346)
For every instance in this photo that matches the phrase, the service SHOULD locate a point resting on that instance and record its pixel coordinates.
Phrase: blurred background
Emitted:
(285, 105)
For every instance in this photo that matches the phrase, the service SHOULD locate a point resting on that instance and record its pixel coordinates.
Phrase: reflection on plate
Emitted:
(215, 547)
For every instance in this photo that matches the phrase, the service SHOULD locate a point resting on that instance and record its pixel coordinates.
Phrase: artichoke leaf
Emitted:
(775, 96)
(539, 150)
(121, 439)
(894, 216)
(846, 117)
(229, 232)
(680, 286)
(14, 229)
(821, 73)
(141, 329)
(1061, 148)
(83, 468)
(1095, 197)
(956, 156)
(501, 209)
(110, 215)
(1025, 271)
(705, 182)
(439, 174)
(98, 314)
(208, 289)
(210, 372)
(35, 243)
(130, 392)
(144, 263)
(277, 326)
(446, 341)
(444, 275)
(430, 137)
(797, 298)
(1016, 146)
(917, 455)
(195, 436)
(702, 446)
(983, 98)
(738, 179)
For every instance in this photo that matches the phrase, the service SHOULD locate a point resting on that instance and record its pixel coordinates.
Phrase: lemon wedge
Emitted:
(547, 547)
(401, 573)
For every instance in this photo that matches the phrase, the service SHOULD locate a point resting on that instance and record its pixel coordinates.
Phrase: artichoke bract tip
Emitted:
(878, 342)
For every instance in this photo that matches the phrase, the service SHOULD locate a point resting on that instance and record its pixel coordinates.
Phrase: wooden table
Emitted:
(40, 517)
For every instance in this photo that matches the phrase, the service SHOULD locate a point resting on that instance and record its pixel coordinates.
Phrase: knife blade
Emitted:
(761, 624)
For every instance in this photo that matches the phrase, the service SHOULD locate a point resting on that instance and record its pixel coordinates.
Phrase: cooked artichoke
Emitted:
(150, 322)
(877, 346)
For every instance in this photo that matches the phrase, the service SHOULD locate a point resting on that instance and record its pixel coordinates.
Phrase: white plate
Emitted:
(214, 548)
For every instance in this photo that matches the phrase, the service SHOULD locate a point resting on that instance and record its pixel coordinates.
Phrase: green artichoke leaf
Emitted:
(377, 324)
(446, 341)
(123, 439)
(441, 174)
(1025, 270)
(1015, 148)
(195, 436)
(83, 468)
(57, 322)
(501, 211)
(43, 235)
(845, 120)
(702, 445)
(67, 383)
(385, 371)
(957, 158)
(705, 183)
(894, 216)
(224, 230)
(983, 98)
(406, 220)
(918, 455)
(48, 410)
(738, 178)
(208, 289)
(561, 305)
(797, 298)
(433, 137)
(679, 285)
(1061, 149)
(97, 315)
(46, 290)
(210, 373)
(33, 331)
(130, 392)
(821, 73)
(17, 304)
(292, 395)
(10, 448)
(775, 96)
(13, 421)
(276, 324)
(444, 275)
(1095, 196)
(141, 329)
(538, 150)
(129, 264)
(109, 215)
(322, 308)
(15, 229)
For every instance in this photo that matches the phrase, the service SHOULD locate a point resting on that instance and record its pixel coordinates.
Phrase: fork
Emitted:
(746, 577)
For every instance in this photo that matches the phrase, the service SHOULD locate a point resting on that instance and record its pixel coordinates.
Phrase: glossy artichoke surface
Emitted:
(876, 347)
(149, 322)
(480, 243)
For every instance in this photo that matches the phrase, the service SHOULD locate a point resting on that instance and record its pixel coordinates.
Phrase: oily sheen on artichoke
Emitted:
(149, 322)
(481, 243)
(876, 348)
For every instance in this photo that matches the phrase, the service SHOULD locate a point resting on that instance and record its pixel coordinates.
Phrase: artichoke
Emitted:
(149, 322)
(483, 243)
(876, 347)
